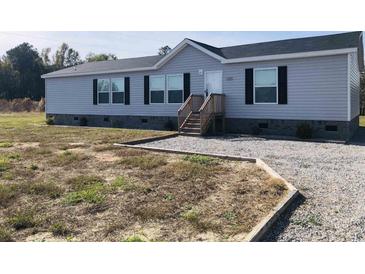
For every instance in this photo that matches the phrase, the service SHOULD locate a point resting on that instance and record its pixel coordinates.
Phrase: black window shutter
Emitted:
(249, 86)
(126, 91)
(283, 85)
(186, 86)
(95, 91)
(146, 89)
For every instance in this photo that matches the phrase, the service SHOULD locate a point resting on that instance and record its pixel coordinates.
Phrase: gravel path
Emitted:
(330, 177)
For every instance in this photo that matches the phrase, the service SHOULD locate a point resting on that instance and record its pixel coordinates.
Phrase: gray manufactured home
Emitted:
(265, 88)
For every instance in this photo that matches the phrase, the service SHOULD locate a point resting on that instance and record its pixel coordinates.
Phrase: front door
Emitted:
(213, 82)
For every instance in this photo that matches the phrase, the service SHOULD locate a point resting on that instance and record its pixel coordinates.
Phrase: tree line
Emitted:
(22, 66)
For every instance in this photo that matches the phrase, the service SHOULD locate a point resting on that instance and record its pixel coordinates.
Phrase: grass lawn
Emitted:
(362, 121)
(71, 184)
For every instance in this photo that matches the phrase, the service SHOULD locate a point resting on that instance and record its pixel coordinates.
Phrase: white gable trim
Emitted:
(181, 46)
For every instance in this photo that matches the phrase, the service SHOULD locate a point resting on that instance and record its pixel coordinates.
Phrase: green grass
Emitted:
(8, 193)
(82, 182)
(22, 220)
(201, 159)
(362, 121)
(5, 235)
(144, 162)
(126, 184)
(4, 163)
(92, 195)
(191, 215)
(31, 127)
(60, 229)
(68, 158)
(134, 238)
(5, 144)
(48, 189)
(33, 167)
(86, 189)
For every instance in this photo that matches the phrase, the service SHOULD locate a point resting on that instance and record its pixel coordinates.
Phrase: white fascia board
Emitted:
(45, 76)
(290, 55)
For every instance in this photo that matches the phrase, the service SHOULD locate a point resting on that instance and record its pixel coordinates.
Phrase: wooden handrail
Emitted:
(213, 105)
(191, 105)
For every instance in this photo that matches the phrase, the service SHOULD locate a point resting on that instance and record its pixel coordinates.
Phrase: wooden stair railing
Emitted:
(192, 104)
(213, 106)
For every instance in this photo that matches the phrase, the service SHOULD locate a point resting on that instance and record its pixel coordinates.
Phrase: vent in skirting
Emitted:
(144, 120)
(106, 119)
(76, 118)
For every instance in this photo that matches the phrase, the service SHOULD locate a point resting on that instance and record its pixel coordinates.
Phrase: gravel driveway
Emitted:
(330, 177)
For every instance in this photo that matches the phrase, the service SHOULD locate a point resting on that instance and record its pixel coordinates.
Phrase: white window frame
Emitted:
(254, 86)
(107, 79)
(164, 90)
(111, 91)
(167, 87)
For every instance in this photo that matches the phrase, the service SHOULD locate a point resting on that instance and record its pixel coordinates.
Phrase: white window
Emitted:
(157, 89)
(103, 91)
(266, 86)
(175, 88)
(117, 89)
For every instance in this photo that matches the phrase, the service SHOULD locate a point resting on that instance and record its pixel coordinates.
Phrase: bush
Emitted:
(21, 104)
(41, 105)
(50, 120)
(304, 131)
(83, 121)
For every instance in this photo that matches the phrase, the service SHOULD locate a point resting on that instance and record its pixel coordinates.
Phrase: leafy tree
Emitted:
(66, 57)
(45, 56)
(164, 50)
(60, 56)
(27, 67)
(72, 58)
(7, 80)
(92, 57)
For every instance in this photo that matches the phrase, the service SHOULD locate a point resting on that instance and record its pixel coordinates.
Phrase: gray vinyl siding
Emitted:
(317, 89)
(354, 86)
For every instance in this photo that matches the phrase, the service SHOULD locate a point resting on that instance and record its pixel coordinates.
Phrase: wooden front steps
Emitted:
(197, 114)
(191, 125)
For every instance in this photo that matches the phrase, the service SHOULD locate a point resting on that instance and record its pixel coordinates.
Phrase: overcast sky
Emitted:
(134, 44)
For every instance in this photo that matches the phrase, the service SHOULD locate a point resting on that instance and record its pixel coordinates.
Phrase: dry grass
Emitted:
(72, 184)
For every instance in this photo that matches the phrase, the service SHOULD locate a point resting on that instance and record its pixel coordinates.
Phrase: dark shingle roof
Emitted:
(113, 65)
(317, 43)
(327, 42)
